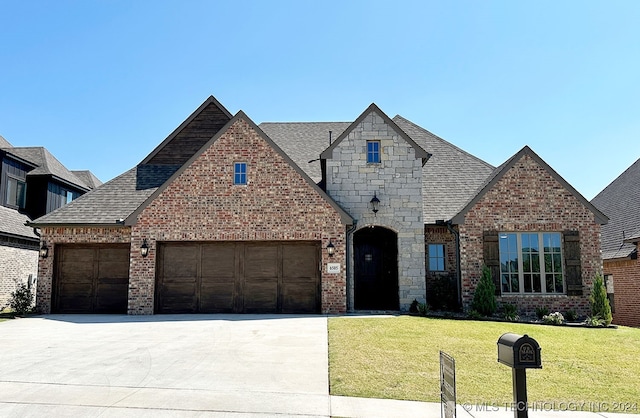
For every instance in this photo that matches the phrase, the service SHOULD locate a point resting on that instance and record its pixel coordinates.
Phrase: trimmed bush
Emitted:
(21, 299)
(484, 298)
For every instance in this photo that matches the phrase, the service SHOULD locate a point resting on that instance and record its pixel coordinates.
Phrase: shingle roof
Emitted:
(46, 164)
(13, 222)
(304, 141)
(114, 200)
(500, 171)
(620, 201)
(449, 178)
(4, 143)
(87, 178)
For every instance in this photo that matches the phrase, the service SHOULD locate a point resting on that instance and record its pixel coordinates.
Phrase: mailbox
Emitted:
(519, 351)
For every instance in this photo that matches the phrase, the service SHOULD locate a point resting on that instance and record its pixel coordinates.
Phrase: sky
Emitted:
(101, 83)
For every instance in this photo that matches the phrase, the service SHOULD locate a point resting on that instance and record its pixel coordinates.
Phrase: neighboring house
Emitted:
(227, 216)
(620, 201)
(32, 183)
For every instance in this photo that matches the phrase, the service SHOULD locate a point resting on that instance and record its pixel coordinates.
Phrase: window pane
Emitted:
(436, 257)
(373, 151)
(537, 285)
(240, 173)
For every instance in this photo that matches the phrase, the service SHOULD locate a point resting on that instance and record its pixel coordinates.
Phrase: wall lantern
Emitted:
(44, 250)
(144, 248)
(375, 202)
(331, 249)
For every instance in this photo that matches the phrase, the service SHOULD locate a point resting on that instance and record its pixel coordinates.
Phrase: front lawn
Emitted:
(398, 358)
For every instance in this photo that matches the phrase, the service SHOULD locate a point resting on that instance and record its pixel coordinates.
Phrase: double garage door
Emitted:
(91, 279)
(238, 277)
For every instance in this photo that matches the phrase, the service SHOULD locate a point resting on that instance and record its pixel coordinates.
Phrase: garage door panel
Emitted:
(75, 297)
(217, 297)
(299, 296)
(261, 261)
(180, 261)
(218, 260)
(299, 261)
(91, 278)
(261, 296)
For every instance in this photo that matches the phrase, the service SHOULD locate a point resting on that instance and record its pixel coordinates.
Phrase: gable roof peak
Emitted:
(189, 137)
(500, 171)
(373, 108)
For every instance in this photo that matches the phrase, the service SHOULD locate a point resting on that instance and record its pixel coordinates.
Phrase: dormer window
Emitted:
(373, 152)
(16, 193)
(240, 173)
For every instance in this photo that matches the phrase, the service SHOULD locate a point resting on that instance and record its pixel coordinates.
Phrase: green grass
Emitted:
(398, 358)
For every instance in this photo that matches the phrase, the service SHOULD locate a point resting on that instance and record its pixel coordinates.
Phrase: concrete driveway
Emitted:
(164, 365)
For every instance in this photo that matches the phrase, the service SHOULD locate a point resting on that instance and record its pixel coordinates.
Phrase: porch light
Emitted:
(44, 250)
(375, 202)
(144, 248)
(331, 249)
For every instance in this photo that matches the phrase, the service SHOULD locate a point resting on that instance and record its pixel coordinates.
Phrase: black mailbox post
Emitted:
(520, 352)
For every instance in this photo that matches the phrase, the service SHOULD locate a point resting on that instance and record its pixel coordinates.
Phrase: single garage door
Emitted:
(238, 277)
(91, 279)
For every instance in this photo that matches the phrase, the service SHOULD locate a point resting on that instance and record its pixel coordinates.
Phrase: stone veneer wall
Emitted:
(528, 198)
(202, 204)
(626, 290)
(71, 235)
(18, 261)
(397, 182)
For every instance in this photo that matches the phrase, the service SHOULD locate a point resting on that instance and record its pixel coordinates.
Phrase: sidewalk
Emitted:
(347, 407)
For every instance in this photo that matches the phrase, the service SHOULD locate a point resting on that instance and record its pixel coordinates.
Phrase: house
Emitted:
(229, 216)
(32, 183)
(620, 201)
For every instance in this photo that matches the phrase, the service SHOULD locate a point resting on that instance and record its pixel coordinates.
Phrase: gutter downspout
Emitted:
(456, 234)
(349, 232)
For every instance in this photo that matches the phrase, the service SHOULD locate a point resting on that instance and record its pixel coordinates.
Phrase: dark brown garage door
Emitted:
(91, 279)
(238, 277)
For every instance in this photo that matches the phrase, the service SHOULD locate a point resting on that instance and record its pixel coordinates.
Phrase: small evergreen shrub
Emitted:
(571, 315)
(598, 300)
(555, 318)
(484, 298)
(473, 314)
(423, 309)
(21, 299)
(510, 312)
(542, 311)
(413, 308)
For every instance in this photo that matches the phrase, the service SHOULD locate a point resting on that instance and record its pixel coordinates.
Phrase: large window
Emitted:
(16, 193)
(373, 152)
(240, 173)
(531, 263)
(436, 257)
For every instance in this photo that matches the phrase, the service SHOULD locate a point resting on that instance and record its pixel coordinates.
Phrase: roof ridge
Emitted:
(443, 140)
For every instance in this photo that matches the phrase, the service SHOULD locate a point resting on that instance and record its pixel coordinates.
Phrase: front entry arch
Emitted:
(376, 269)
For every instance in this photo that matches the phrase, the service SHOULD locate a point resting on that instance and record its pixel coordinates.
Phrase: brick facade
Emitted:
(202, 204)
(626, 288)
(70, 235)
(528, 198)
(18, 262)
(442, 286)
(397, 182)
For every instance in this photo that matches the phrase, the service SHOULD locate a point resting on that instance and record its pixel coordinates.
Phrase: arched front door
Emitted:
(376, 269)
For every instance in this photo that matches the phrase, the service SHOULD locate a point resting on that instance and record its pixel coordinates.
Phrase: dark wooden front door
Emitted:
(91, 279)
(376, 269)
(238, 277)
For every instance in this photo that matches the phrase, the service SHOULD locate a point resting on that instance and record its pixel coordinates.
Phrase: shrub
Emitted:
(510, 312)
(484, 298)
(542, 311)
(594, 321)
(21, 299)
(473, 314)
(555, 318)
(571, 315)
(598, 300)
(413, 308)
(423, 309)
